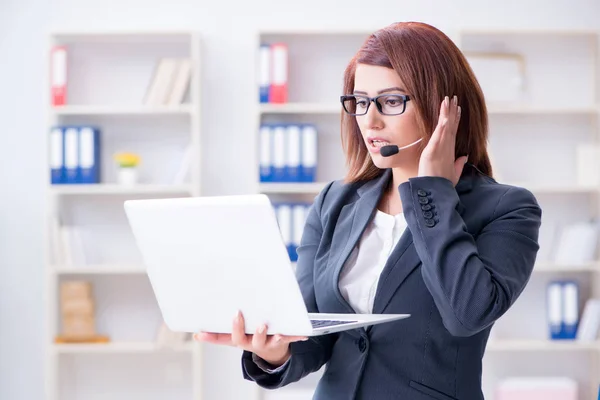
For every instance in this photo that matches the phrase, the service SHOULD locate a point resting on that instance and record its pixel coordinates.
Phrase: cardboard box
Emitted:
(79, 326)
(75, 290)
(74, 306)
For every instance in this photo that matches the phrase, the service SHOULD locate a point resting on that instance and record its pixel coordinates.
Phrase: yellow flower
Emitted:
(127, 160)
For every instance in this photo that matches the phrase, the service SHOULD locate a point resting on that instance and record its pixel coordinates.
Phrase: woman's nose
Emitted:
(373, 118)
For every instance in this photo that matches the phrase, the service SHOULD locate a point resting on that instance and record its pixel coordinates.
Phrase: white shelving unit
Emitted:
(533, 141)
(182, 109)
(108, 76)
(314, 85)
(99, 269)
(99, 189)
(119, 348)
(532, 146)
(316, 187)
(545, 267)
(333, 108)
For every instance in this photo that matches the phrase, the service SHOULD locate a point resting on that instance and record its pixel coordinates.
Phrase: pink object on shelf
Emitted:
(58, 75)
(533, 388)
(278, 92)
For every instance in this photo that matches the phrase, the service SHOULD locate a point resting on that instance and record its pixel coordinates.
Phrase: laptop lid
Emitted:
(207, 257)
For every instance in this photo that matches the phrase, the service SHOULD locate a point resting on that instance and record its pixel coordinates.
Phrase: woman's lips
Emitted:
(376, 143)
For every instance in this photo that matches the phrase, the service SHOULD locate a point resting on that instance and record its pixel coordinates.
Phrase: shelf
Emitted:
(316, 187)
(555, 189)
(184, 109)
(541, 110)
(292, 187)
(166, 137)
(552, 267)
(336, 108)
(318, 31)
(117, 348)
(301, 108)
(119, 189)
(121, 36)
(541, 345)
(532, 31)
(108, 269)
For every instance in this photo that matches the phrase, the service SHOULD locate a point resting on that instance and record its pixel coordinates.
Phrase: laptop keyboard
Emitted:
(320, 323)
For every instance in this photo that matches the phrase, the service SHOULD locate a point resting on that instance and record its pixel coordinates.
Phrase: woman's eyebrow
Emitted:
(392, 89)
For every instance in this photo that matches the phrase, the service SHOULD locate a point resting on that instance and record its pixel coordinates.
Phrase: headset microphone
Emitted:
(392, 149)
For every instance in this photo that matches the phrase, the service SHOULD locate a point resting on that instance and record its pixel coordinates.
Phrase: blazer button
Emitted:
(429, 223)
(428, 214)
(362, 344)
(426, 207)
(421, 193)
(423, 200)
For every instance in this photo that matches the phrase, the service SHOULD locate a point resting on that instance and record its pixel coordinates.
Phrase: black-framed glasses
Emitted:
(387, 104)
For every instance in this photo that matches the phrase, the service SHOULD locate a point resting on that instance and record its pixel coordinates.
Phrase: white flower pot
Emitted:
(128, 176)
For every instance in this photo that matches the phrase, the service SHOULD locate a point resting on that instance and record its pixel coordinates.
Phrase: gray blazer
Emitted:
(464, 259)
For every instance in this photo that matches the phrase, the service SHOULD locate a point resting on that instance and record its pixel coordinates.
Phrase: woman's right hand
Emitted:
(274, 349)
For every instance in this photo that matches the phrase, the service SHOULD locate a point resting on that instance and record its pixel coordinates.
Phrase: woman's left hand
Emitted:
(437, 159)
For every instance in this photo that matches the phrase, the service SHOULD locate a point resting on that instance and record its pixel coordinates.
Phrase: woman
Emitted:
(426, 231)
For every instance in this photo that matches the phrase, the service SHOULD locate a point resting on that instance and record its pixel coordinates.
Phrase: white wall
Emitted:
(22, 26)
(228, 35)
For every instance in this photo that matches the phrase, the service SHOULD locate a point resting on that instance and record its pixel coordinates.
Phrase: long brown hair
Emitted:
(431, 67)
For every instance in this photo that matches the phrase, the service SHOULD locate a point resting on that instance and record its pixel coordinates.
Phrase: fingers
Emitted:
(238, 337)
(259, 339)
(291, 339)
(444, 108)
(455, 115)
(214, 338)
(449, 119)
(444, 115)
(449, 112)
(442, 121)
(238, 334)
(206, 337)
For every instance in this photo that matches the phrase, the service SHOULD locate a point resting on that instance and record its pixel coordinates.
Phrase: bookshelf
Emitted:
(548, 267)
(183, 109)
(543, 346)
(98, 189)
(98, 269)
(333, 108)
(314, 85)
(315, 188)
(109, 74)
(119, 348)
(532, 142)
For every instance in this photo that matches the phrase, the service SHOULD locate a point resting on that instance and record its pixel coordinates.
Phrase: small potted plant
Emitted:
(127, 163)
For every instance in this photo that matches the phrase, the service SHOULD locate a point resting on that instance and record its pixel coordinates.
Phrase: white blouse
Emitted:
(360, 274)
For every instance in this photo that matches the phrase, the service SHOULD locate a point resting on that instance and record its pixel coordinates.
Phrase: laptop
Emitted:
(208, 257)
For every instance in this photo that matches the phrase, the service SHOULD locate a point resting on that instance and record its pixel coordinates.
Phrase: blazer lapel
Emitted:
(351, 224)
(404, 258)
(401, 262)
